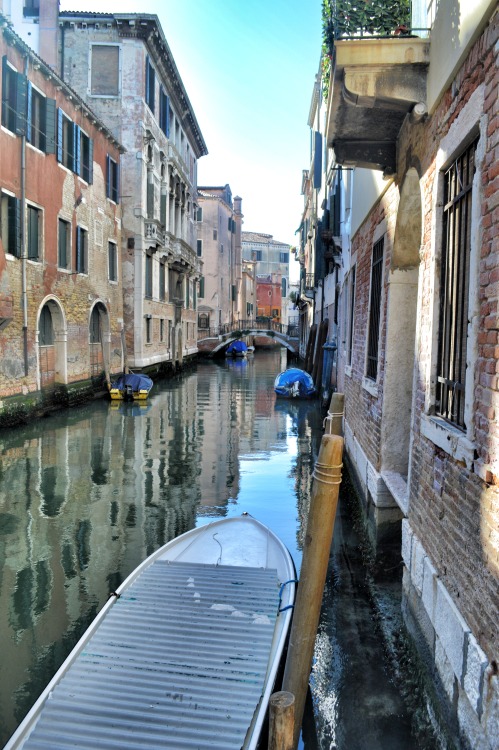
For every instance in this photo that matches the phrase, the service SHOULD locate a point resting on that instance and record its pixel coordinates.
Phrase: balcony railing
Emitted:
(343, 19)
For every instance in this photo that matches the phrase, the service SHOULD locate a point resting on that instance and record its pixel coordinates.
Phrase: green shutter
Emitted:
(50, 139)
(21, 103)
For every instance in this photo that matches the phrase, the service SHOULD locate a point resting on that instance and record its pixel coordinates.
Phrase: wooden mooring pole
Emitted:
(320, 526)
(281, 721)
(333, 423)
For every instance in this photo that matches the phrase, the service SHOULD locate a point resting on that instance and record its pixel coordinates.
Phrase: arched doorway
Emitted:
(51, 336)
(98, 338)
(400, 342)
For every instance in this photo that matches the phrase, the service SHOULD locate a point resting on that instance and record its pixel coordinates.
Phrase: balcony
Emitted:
(376, 74)
(154, 232)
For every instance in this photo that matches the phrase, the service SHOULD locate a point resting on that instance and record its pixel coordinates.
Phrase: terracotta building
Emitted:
(269, 296)
(413, 119)
(61, 298)
(270, 257)
(121, 63)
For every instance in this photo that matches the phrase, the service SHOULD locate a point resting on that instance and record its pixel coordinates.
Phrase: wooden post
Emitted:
(323, 503)
(281, 721)
(333, 424)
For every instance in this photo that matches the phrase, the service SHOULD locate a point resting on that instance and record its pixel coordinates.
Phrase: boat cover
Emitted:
(137, 382)
(294, 382)
(179, 661)
(237, 347)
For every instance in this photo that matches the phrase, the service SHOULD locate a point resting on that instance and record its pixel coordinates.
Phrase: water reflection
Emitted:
(86, 495)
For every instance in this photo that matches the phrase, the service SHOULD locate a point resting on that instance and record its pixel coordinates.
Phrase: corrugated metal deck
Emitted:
(178, 662)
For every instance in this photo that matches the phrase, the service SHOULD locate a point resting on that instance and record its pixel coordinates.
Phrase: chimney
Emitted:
(49, 27)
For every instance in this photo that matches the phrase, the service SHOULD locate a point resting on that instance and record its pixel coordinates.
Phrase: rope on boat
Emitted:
(289, 606)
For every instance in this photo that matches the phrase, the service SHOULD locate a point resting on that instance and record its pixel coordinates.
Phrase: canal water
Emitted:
(87, 494)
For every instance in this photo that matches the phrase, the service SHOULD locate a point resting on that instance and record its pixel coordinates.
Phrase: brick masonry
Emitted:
(451, 534)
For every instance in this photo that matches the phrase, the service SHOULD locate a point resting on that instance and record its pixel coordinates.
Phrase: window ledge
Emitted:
(370, 386)
(448, 438)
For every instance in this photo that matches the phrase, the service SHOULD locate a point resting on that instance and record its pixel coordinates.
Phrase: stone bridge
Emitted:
(213, 340)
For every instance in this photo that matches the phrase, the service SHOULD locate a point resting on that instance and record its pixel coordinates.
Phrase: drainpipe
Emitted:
(23, 240)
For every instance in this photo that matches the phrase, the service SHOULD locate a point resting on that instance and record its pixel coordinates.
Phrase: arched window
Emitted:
(46, 327)
(203, 321)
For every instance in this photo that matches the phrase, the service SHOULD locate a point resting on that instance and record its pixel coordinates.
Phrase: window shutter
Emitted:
(147, 78)
(50, 126)
(77, 148)
(162, 209)
(78, 249)
(201, 287)
(28, 112)
(90, 161)
(21, 101)
(4, 90)
(14, 215)
(118, 177)
(317, 160)
(59, 135)
(108, 176)
(167, 105)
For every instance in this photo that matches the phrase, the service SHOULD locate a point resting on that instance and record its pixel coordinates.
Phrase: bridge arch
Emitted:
(279, 338)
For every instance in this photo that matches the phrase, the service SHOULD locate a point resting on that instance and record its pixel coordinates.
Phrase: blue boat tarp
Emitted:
(132, 381)
(237, 348)
(294, 383)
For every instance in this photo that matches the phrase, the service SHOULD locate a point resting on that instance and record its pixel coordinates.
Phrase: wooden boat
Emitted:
(183, 655)
(294, 383)
(131, 386)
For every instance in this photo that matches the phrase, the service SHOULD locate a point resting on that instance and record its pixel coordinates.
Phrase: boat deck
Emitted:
(178, 662)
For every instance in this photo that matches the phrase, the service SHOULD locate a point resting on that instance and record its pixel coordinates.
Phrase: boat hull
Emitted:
(186, 653)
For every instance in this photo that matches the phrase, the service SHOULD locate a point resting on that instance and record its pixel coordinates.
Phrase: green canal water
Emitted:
(86, 495)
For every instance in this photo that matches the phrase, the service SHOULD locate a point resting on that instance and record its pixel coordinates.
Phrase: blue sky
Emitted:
(249, 69)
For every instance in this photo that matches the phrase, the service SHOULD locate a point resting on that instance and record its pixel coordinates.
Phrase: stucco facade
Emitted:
(270, 257)
(61, 297)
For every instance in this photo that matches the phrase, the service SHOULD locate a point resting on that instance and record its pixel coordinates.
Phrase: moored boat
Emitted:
(184, 654)
(237, 349)
(294, 383)
(131, 386)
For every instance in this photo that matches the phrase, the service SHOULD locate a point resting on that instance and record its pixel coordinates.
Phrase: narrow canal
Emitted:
(86, 495)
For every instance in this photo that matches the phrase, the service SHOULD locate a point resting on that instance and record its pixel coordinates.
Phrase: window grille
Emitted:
(375, 310)
(454, 288)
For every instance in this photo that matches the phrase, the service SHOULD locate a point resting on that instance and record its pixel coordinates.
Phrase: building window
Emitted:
(85, 157)
(148, 289)
(284, 287)
(258, 255)
(375, 310)
(164, 112)
(66, 141)
(105, 70)
(161, 329)
(215, 234)
(14, 90)
(81, 250)
(454, 288)
(112, 256)
(201, 288)
(148, 329)
(36, 119)
(33, 217)
(45, 327)
(203, 321)
(64, 244)
(31, 8)
(169, 341)
(351, 317)
(283, 257)
(200, 248)
(199, 214)
(10, 224)
(112, 179)
(162, 280)
(150, 85)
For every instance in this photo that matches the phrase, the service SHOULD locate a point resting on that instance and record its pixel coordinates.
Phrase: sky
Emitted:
(248, 67)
